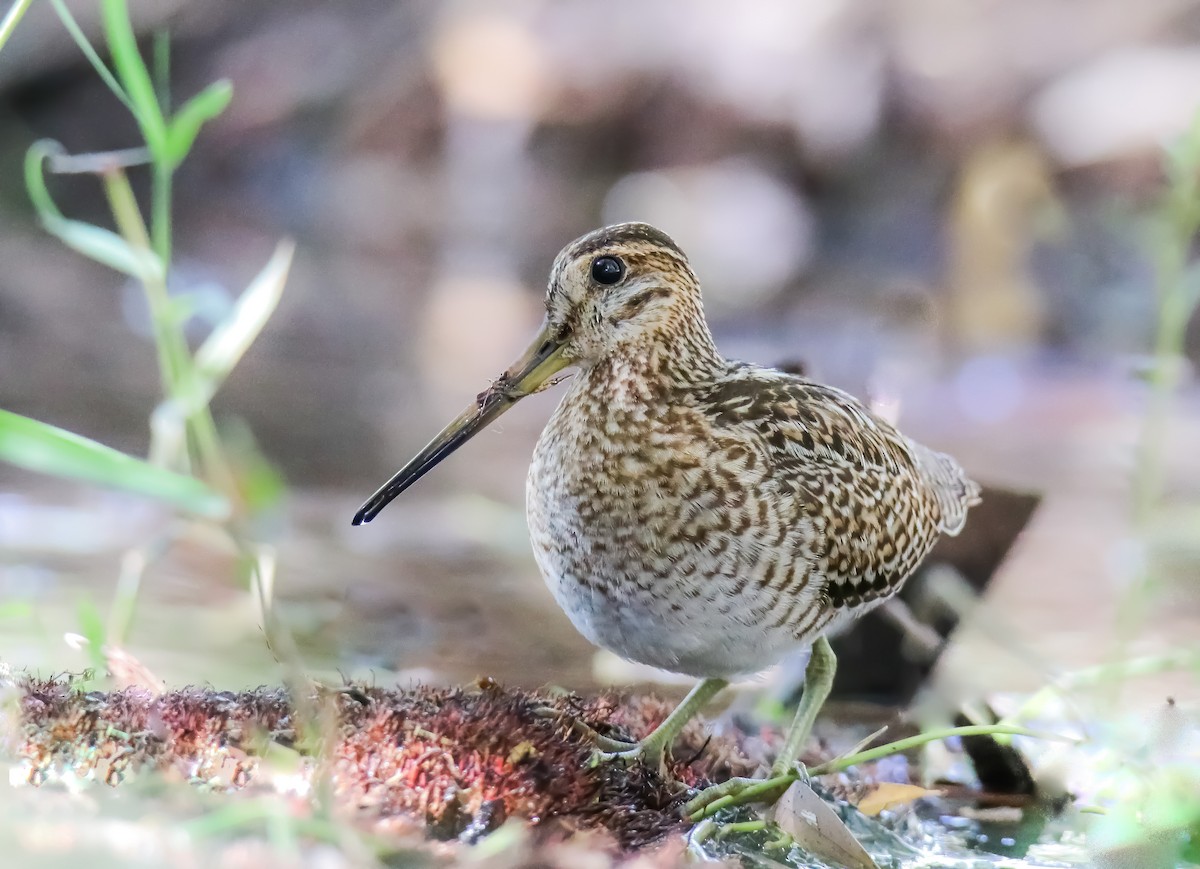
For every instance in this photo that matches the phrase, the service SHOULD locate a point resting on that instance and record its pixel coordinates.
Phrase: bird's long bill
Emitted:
(527, 375)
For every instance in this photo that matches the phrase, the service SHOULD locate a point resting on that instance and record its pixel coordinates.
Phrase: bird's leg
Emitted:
(652, 750)
(818, 680)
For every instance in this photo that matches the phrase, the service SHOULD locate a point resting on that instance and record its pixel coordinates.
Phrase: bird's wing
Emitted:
(876, 501)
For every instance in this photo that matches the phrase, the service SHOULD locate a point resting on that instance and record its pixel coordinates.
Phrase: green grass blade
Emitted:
(104, 246)
(1190, 289)
(840, 763)
(14, 15)
(16, 611)
(221, 351)
(95, 242)
(47, 449)
(77, 34)
(133, 74)
(161, 75)
(192, 115)
(91, 628)
(35, 179)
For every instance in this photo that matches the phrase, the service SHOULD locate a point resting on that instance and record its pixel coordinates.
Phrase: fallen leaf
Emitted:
(889, 795)
(816, 828)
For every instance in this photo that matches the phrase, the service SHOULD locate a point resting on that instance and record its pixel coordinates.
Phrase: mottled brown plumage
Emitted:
(707, 516)
(693, 513)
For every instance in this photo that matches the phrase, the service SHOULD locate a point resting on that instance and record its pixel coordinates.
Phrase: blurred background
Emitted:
(938, 206)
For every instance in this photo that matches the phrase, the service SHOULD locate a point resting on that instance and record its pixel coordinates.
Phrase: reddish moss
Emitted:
(458, 761)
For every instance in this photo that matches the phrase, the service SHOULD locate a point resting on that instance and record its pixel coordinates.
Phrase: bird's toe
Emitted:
(648, 755)
(735, 792)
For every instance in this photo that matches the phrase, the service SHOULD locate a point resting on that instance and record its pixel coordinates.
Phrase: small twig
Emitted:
(97, 162)
(700, 751)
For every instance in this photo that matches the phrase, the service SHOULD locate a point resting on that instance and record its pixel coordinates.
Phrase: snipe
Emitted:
(694, 513)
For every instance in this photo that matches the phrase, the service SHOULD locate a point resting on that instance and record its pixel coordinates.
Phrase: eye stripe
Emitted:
(636, 303)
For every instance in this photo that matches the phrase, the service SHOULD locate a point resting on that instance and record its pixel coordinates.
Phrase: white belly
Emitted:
(698, 637)
(680, 609)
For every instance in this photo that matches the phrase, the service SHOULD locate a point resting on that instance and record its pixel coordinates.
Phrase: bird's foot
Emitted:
(647, 753)
(739, 792)
(736, 792)
(606, 748)
(605, 745)
(653, 749)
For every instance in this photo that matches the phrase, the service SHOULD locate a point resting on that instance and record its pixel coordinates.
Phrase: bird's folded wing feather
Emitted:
(876, 500)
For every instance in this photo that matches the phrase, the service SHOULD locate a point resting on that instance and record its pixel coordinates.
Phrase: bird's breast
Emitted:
(604, 496)
(653, 540)
(613, 480)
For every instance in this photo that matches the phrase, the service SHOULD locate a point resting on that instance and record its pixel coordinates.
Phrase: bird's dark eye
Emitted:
(607, 270)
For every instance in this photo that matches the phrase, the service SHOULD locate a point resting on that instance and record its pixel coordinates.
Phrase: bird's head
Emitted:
(618, 291)
(617, 288)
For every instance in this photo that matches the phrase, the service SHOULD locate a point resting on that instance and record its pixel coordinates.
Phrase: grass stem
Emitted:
(840, 763)
(11, 18)
(172, 352)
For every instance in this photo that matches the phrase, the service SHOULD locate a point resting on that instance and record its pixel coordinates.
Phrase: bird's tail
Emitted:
(953, 490)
